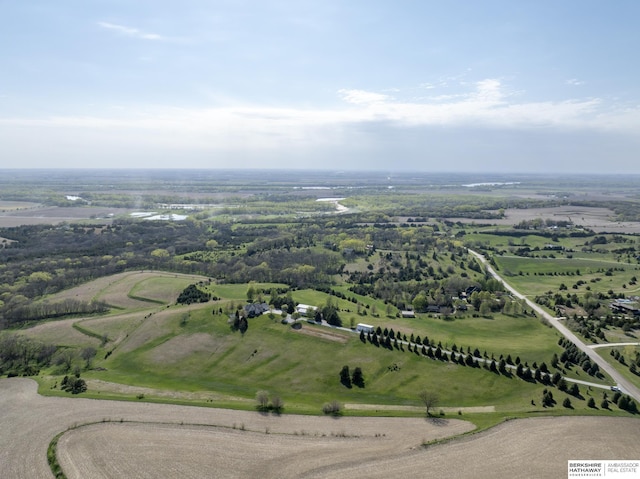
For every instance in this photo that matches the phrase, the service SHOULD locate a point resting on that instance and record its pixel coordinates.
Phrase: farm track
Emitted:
(169, 441)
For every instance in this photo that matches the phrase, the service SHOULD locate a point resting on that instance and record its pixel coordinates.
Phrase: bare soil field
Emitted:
(33, 214)
(524, 448)
(326, 335)
(169, 441)
(596, 219)
(29, 422)
(527, 448)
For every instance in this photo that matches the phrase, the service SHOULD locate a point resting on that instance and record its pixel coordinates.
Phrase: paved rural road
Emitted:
(625, 385)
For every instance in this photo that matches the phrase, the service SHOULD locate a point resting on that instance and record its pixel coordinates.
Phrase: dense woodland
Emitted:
(402, 263)
(394, 244)
(408, 265)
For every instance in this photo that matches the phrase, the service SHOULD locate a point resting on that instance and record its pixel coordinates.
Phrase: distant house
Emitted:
(469, 291)
(305, 309)
(626, 307)
(433, 309)
(252, 310)
(367, 328)
(408, 314)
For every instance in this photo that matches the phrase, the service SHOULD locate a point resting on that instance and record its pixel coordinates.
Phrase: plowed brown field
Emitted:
(164, 441)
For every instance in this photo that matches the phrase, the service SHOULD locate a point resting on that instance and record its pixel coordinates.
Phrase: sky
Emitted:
(446, 86)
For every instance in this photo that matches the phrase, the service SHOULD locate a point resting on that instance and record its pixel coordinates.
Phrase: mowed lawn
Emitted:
(239, 291)
(192, 349)
(523, 336)
(629, 352)
(301, 366)
(540, 275)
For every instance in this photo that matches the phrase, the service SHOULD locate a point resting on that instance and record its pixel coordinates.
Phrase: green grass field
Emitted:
(629, 352)
(535, 276)
(302, 368)
(191, 349)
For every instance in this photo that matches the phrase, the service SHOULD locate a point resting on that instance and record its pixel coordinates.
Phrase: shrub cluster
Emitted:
(73, 384)
(192, 294)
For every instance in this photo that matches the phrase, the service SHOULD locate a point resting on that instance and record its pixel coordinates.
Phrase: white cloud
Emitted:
(130, 32)
(255, 127)
(361, 97)
(574, 82)
(488, 105)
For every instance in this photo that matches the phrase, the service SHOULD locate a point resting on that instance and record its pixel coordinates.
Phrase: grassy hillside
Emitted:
(302, 366)
(192, 351)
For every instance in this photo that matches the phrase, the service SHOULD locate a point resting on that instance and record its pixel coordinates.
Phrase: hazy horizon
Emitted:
(466, 87)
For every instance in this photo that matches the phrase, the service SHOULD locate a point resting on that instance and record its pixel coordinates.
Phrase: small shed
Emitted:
(305, 309)
(367, 328)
